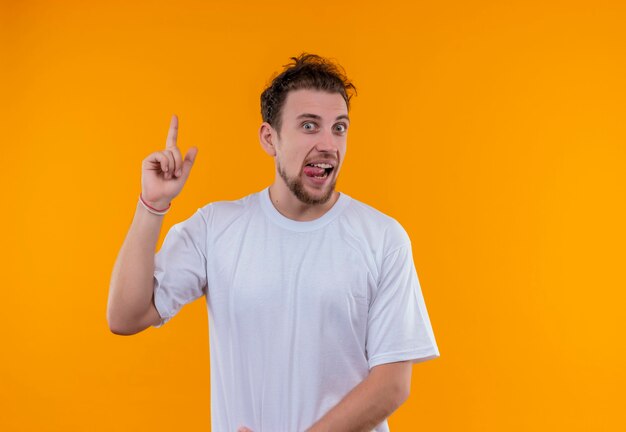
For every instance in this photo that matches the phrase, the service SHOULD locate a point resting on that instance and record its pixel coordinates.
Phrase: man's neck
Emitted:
(291, 207)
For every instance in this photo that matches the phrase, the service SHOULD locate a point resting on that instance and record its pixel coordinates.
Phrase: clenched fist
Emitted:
(164, 173)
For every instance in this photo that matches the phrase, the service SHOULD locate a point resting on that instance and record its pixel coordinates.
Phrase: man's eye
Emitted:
(342, 127)
(307, 124)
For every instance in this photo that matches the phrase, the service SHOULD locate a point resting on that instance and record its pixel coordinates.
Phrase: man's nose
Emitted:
(327, 142)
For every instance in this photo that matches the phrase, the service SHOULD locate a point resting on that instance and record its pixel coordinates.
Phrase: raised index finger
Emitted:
(172, 135)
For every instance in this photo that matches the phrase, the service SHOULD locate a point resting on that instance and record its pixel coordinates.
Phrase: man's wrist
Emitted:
(158, 208)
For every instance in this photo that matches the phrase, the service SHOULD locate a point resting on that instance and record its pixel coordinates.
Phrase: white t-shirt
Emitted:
(299, 312)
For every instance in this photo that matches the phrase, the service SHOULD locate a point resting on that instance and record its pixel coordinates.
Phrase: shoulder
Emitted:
(378, 228)
(227, 206)
(222, 213)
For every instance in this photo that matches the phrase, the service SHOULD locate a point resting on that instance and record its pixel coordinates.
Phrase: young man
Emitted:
(315, 310)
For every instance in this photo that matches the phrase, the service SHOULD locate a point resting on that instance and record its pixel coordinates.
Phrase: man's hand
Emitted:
(164, 173)
(244, 429)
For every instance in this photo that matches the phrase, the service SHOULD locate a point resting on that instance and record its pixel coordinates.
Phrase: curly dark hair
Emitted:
(307, 71)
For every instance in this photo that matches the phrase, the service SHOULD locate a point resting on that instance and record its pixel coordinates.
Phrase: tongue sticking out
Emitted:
(314, 171)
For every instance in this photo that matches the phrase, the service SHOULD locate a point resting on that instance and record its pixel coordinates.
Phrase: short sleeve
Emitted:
(398, 327)
(180, 267)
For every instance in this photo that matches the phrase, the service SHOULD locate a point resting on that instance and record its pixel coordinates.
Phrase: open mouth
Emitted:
(318, 170)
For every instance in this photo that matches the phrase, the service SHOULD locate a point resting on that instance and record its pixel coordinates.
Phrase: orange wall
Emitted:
(493, 131)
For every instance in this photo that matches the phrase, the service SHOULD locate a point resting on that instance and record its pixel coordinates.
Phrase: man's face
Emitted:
(312, 143)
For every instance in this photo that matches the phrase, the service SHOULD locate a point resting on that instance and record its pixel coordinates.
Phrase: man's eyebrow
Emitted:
(316, 117)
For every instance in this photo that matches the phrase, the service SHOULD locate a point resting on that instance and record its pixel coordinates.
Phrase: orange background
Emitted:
(493, 131)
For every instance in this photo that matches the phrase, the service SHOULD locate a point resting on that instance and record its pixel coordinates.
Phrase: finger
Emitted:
(244, 429)
(158, 160)
(172, 134)
(177, 170)
(190, 158)
(171, 165)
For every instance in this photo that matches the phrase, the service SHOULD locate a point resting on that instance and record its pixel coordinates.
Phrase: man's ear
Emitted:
(267, 138)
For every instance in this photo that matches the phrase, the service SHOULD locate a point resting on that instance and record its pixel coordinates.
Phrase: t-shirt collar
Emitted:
(301, 226)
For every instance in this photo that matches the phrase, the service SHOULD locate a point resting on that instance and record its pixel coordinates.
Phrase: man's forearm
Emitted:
(367, 405)
(131, 287)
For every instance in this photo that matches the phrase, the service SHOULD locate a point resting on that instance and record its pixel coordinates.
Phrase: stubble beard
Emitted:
(297, 188)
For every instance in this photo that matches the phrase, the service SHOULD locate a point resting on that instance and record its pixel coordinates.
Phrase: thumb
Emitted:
(190, 157)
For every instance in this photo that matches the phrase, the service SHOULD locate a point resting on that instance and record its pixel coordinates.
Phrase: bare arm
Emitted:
(130, 307)
(369, 403)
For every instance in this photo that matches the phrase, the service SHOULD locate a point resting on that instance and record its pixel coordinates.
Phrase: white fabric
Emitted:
(299, 312)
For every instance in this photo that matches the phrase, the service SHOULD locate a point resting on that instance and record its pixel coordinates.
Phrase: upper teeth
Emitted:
(322, 165)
